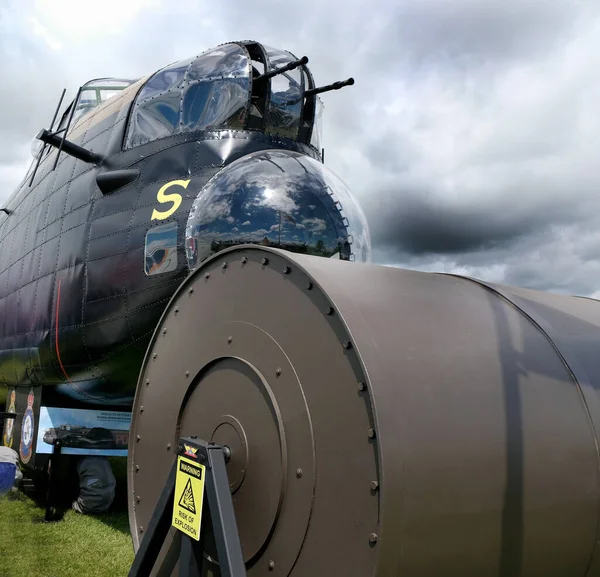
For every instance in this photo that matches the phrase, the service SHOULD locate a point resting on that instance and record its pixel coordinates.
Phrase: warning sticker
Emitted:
(189, 495)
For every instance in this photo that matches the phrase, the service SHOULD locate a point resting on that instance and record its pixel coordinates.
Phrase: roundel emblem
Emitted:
(27, 429)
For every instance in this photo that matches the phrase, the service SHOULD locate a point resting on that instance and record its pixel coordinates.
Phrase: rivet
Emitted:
(362, 387)
(164, 331)
(371, 433)
(191, 290)
(224, 265)
(154, 356)
(176, 310)
(142, 409)
(374, 485)
(138, 499)
(137, 467)
(309, 286)
(265, 260)
(187, 373)
(347, 345)
(137, 438)
(229, 340)
(329, 310)
(299, 473)
(141, 529)
(271, 565)
(244, 260)
(278, 371)
(207, 275)
(168, 446)
(286, 270)
(373, 538)
(147, 382)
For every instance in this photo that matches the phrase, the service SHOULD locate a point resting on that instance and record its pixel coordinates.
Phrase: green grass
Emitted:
(79, 545)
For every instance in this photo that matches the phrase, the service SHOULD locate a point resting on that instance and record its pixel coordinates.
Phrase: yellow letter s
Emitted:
(175, 198)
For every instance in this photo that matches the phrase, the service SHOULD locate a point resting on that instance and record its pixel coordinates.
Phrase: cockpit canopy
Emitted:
(96, 92)
(222, 88)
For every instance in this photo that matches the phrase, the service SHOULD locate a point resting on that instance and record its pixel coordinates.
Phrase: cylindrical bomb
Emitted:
(381, 422)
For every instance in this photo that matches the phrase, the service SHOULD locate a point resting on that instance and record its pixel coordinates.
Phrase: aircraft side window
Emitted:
(284, 108)
(194, 103)
(209, 92)
(216, 104)
(316, 138)
(155, 118)
(169, 78)
(96, 92)
(228, 61)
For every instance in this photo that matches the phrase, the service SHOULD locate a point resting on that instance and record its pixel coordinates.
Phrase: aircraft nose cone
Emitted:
(277, 198)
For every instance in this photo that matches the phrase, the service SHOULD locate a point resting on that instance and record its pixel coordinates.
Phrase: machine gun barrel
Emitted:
(286, 68)
(69, 147)
(329, 87)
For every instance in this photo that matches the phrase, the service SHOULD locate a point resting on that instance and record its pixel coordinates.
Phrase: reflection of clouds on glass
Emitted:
(280, 201)
(279, 198)
(212, 211)
(315, 225)
(284, 108)
(227, 61)
(210, 91)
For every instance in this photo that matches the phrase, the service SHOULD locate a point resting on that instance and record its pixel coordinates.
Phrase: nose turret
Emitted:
(234, 86)
(277, 198)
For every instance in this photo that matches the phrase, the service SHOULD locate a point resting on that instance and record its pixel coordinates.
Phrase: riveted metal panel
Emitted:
(450, 436)
(241, 366)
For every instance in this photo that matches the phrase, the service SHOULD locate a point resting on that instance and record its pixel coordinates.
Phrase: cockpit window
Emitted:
(96, 92)
(284, 107)
(209, 92)
(316, 138)
(226, 88)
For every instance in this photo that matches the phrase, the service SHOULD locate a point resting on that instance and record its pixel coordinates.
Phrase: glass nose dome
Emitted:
(277, 198)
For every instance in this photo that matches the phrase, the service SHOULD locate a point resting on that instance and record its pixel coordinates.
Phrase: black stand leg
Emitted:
(220, 512)
(158, 529)
(227, 539)
(190, 559)
(53, 511)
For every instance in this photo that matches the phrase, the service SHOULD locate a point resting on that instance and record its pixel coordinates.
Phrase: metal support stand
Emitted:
(220, 512)
(53, 512)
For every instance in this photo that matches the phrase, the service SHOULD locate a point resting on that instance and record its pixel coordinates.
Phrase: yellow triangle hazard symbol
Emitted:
(187, 498)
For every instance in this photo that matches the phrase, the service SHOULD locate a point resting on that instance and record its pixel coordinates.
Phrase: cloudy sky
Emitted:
(471, 137)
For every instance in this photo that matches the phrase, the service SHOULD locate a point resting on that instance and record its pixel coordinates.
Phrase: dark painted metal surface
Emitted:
(90, 255)
(381, 421)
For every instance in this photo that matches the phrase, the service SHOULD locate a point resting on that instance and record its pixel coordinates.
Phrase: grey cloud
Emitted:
(471, 32)
(470, 136)
(548, 259)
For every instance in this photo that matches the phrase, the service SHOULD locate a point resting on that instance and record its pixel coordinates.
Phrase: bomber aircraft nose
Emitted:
(277, 198)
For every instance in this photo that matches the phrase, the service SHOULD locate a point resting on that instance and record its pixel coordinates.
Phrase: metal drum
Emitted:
(382, 422)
